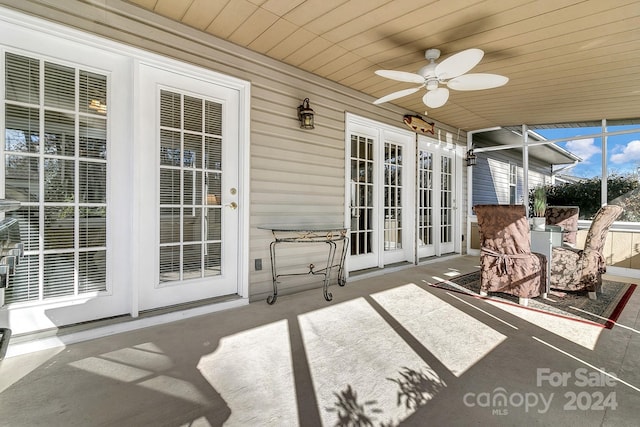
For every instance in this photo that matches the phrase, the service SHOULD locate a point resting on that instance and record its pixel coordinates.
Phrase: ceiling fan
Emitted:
(451, 72)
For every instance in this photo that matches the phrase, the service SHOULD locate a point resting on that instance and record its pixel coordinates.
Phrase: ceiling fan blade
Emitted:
(458, 64)
(396, 95)
(436, 98)
(477, 81)
(401, 76)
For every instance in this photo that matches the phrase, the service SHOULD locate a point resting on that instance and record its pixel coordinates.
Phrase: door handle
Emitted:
(232, 205)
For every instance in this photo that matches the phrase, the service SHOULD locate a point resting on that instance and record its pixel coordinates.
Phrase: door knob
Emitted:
(233, 205)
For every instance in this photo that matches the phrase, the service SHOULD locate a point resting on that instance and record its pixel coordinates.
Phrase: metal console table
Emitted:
(309, 233)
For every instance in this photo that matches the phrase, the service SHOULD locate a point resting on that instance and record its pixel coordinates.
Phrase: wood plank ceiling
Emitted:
(568, 61)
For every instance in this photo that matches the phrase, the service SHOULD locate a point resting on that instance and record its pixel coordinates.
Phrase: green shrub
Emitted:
(621, 190)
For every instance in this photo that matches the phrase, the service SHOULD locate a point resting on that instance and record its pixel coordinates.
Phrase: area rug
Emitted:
(574, 305)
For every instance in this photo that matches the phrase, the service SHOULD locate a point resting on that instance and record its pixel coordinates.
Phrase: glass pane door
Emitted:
(393, 169)
(446, 203)
(190, 167)
(425, 204)
(192, 209)
(362, 223)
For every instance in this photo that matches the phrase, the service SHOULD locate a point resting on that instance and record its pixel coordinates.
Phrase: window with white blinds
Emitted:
(190, 187)
(55, 158)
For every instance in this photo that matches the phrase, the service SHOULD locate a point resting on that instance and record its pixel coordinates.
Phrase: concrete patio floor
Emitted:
(388, 350)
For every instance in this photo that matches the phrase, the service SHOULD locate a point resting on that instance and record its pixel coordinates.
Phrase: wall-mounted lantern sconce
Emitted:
(305, 115)
(471, 158)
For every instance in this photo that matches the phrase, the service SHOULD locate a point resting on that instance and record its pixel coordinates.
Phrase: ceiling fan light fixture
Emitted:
(432, 84)
(436, 98)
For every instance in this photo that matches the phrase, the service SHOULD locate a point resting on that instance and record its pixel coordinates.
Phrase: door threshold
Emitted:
(377, 271)
(392, 268)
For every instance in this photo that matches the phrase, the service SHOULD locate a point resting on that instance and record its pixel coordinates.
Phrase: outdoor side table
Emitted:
(329, 234)
(543, 242)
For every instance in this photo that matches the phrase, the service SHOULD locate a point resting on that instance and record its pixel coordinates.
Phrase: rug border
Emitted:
(615, 314)
(608, 324)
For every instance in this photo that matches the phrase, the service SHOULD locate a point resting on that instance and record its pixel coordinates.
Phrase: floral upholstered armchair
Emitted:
(567, 218)
(578, 269)
(506, 261)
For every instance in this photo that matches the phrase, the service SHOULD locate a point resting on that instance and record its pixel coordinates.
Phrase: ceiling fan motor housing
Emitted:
(432, 54)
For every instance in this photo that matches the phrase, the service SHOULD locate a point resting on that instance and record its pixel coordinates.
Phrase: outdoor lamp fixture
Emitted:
(471, 158)
(305, 115)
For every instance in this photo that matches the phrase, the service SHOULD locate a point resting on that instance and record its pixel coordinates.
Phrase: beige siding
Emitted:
(295, 174)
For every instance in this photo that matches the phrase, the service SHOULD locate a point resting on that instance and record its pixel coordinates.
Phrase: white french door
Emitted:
(380, 206)
(64, 160)
(399, 206)
(397, 199)
(447, 223)
(436, 183)
(426, 236)
(189, 209)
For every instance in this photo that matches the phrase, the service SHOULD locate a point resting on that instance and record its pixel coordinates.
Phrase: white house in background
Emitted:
(498, 176)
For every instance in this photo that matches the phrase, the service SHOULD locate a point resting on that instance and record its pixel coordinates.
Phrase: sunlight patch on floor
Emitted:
(252, 370)
(141, 358)
(581, 333)
(456, 339)
(363, 372)
(114, 370)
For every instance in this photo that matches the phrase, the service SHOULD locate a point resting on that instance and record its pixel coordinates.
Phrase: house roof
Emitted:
(549, 153)
(568, 61)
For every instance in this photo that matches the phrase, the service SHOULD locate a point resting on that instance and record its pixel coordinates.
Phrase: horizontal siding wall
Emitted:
(296, 175)
(491, 177)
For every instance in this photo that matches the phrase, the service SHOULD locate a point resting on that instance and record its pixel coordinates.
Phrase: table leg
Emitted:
(341, 274)
(274, 276)
(327, 273)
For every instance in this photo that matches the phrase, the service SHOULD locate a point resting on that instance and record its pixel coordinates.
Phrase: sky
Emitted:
(623, 151)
